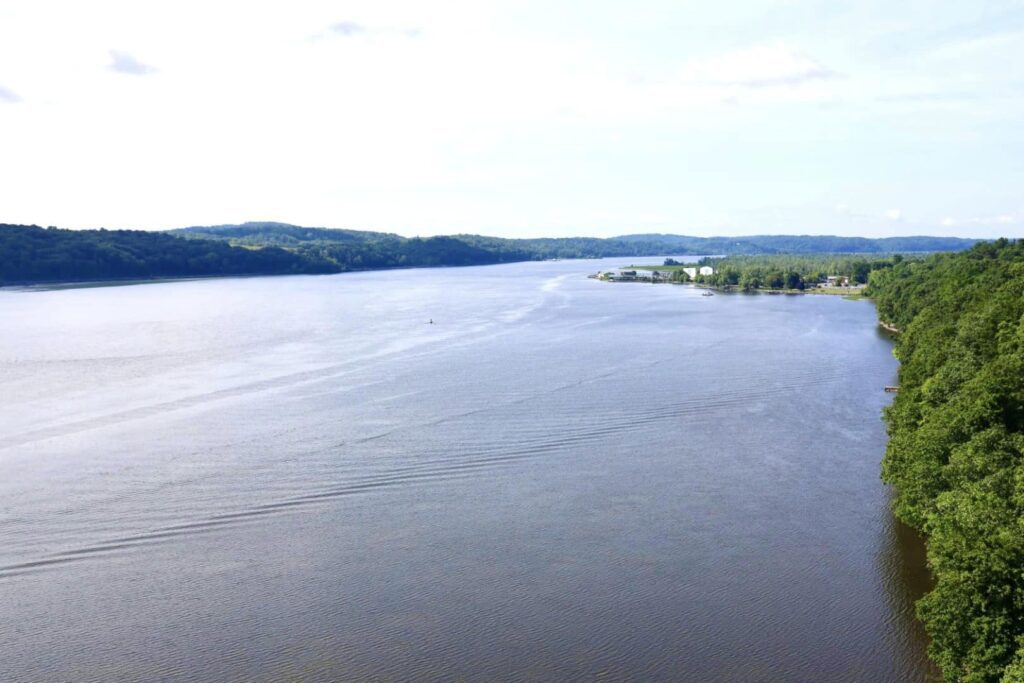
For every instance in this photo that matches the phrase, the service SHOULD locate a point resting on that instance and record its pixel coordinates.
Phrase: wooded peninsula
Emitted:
(777, 272)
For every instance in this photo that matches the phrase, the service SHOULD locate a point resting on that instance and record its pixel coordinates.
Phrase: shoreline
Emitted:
(851, 293)
(51, 285)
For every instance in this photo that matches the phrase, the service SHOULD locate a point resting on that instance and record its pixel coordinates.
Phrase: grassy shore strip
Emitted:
(845, 292)
(666, 269)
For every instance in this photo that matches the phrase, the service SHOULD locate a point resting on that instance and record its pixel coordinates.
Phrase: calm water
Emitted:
(560, 479)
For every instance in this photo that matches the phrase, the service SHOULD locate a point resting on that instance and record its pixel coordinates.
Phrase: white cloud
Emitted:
(1000, 219)
(756, 67)
(348, 28)
(8, 95)
(497, 114)
(124, 63)
(355, 29)
(895, 215)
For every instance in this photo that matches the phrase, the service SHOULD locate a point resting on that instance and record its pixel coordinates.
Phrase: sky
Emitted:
(518, 119)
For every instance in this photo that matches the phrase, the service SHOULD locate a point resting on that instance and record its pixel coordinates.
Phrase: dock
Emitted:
(888, 327)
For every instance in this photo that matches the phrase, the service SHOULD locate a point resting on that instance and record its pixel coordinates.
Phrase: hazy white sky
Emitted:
(517, 118)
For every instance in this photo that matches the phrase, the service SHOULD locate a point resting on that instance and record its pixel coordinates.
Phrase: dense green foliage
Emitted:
(791, 271)
(357, 250)
(956, 449)
(352, 249)
(349, 250)
(34, 254)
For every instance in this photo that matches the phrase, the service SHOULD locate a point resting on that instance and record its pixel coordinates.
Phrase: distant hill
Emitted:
(804, 244)
(362, 250)
(29, 253)
(282, 234)
(504, 249)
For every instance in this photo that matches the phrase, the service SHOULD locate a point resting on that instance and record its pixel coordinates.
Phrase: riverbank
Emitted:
(114, 282)
(956, 447)
(851, 293)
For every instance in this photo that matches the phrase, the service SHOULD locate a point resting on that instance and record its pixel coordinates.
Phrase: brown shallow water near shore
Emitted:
(301, 478)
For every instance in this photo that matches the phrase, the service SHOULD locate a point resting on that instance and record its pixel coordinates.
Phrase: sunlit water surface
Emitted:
(559, 479)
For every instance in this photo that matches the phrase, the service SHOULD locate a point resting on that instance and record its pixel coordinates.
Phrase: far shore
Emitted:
(116, 282)
(845, 292)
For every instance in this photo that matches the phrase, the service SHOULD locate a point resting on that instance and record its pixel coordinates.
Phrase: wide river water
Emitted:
(301, 478)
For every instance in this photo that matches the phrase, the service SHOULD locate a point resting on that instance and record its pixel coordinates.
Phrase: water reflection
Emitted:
(903, 564)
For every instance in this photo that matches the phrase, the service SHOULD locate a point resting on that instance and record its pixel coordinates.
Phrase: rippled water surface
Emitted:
(301, 478)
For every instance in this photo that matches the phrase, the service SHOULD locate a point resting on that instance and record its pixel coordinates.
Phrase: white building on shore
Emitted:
(693, 272)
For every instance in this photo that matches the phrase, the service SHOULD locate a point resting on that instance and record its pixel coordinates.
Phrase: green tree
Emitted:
(956, 450)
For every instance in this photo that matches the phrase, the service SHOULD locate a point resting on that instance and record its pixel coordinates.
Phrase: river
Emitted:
(304, 478)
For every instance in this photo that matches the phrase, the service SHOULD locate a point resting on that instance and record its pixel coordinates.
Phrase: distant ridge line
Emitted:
(667, 242)
(30, 254)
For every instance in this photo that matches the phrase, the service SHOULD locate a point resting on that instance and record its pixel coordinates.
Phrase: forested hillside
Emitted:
(802, 244)
(358, 250)
(354, 248)
(956, 449)
(34, 254)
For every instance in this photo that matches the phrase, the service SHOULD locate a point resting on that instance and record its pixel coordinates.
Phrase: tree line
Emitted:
(503, 250)
(787, 271)
(30, 253)
(956, 451)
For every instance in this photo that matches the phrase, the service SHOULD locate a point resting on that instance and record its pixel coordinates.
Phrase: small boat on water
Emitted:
(707, 293)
